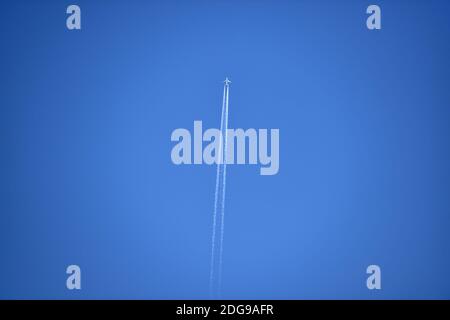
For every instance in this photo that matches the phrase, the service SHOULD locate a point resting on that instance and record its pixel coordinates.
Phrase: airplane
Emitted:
(227, 81)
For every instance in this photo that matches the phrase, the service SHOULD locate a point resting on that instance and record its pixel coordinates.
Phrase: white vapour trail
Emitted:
(224, 183)
(216, 198)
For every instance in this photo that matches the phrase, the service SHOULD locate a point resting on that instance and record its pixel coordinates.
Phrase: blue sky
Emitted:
(87, 179)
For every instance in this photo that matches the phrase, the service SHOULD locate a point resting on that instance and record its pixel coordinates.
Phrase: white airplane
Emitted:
(227, 81)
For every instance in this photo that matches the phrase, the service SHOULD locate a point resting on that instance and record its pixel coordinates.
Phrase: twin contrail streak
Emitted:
(222, 222)
(214, 283)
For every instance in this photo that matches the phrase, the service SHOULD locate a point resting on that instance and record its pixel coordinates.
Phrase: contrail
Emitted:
(221, 162)
(224, 181)
(216, 198)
